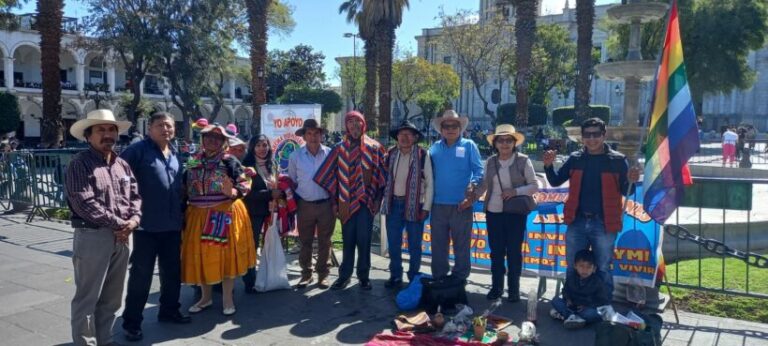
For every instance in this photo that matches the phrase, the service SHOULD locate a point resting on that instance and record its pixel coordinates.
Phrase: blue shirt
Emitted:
(454, 167)
(302, 167)
(159, 179)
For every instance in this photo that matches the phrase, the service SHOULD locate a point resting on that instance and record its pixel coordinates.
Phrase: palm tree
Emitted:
(387, 16)
(525, 34)
(49, 25)
(585, 21)
(354, 10)
(257, 30)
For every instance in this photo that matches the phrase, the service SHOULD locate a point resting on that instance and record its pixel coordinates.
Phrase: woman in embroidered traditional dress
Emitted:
(217, 244)
(507, 174)
(258, 160)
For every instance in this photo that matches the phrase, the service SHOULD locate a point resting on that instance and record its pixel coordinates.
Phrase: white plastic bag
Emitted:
(272, 273)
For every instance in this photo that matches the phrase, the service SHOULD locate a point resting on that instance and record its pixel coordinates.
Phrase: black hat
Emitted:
(309, 124)
(406, 125)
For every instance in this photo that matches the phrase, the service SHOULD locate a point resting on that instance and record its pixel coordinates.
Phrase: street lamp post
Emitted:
(353, 82)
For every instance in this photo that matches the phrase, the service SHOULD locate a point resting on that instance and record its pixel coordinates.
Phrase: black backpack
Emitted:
(616, 334)
(445, 292)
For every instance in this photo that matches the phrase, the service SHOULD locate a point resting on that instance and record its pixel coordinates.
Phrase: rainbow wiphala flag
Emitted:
(673, 132)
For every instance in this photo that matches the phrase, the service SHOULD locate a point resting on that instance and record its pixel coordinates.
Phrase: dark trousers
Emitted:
(505, 238)
(257, 222)
(148, 246)
(356, 234)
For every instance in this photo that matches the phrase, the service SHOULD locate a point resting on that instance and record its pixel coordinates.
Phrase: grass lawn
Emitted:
(714, 304)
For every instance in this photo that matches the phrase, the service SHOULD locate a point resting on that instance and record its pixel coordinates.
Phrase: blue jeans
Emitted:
(589, 314)
(585, 233)
(395, 224)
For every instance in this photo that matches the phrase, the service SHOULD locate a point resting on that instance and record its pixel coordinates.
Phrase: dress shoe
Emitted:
(251, 290)
(340, 284)
(513, 297)
(133, 334)
(394, 283)
(494, 294)
(305, 281)
(322, 283)
(365, 285)
(177, 318)
(200, 307)
(229, 311)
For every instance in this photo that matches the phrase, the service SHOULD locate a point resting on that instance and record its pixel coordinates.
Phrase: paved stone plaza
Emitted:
(36, 286)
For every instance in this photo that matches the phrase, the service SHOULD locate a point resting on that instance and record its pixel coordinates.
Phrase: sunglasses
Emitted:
(505, 140)
(450, 127)
(591, 134)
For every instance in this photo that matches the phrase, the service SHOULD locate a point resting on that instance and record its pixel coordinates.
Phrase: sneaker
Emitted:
(556, 315)
(574, 322)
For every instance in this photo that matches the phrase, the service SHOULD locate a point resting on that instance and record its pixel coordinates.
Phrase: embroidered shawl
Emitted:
(412, 186)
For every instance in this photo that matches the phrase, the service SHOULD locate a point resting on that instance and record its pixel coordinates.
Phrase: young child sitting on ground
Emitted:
(584, 291)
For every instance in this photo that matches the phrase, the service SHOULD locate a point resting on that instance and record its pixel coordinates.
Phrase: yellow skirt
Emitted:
(205, 262)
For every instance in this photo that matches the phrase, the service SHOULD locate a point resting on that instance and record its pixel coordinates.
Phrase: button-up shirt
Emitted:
(102, 193)
(160, 185)
(302, 166)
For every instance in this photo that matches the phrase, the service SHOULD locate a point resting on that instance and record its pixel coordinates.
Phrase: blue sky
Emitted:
(319, 25)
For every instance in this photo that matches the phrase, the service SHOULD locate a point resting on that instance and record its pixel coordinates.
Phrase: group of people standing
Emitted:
(202, 220)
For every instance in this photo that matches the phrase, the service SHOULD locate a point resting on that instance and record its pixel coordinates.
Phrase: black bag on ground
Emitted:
(445, 292)
(616, 334)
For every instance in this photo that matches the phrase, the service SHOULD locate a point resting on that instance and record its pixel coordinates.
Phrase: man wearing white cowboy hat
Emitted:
(457, 169)
(103, 196)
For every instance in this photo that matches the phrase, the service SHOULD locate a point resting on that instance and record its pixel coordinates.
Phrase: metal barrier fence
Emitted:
(718, 239)
(34, 180)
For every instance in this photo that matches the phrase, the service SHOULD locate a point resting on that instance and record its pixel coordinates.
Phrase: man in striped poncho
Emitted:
(354, 178)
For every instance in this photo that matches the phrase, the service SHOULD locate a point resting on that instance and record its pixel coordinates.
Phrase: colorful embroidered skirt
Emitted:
(217, 243)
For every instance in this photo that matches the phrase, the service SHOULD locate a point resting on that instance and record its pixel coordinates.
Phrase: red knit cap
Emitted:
(355, 114)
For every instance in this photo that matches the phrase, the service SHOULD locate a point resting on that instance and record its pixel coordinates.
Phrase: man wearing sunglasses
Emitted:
(599, 176)
(457, 169)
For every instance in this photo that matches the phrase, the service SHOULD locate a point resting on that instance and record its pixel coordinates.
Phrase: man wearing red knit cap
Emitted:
(352, 174)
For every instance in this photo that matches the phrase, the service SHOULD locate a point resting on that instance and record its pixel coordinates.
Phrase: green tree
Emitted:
(131, 34)
(409, 78)
(552, 65)
(716, 47)
(50, 13)
(387, 16)
(358, 13)
(199, 39)
(482, 50)
(10, 117)
(301, 66)
(526, 12)
(442, 86)
(352, 76)
(329, 99)
(263, 15)
(585, 21)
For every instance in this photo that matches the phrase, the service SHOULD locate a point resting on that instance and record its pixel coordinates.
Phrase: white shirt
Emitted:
(730, 137)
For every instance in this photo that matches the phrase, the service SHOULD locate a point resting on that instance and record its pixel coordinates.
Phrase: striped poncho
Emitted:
(354, 176)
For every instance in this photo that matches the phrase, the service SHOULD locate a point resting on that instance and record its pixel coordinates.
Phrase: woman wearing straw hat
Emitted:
(217, 244)
(507, 174)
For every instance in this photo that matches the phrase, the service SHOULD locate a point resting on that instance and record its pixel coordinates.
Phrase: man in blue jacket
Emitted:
(457, 168)
(159, 173)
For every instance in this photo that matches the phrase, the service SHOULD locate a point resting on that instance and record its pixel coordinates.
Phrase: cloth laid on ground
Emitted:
(410, 338)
